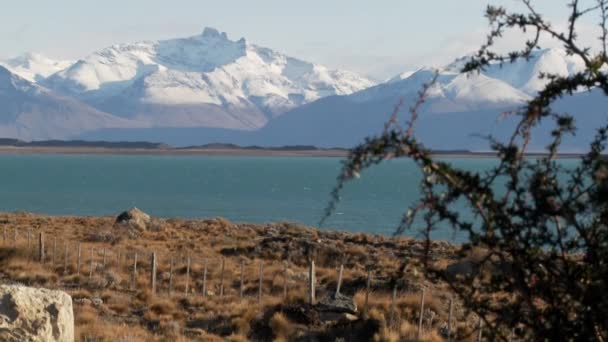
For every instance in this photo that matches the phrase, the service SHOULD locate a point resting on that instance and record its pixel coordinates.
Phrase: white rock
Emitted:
(30, 314)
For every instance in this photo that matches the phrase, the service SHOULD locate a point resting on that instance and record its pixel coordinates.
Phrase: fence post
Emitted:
(339, 279)
(92, 266)
(171, 276)
(205, 278)
(480, 330)
(54, 250)
(450, 320)
(391, 321)
(222, 280)
(421, 313)
(285, 280)
(78, 258)
(261, 281)
(104, 258)
(153, 273)
(41, 247)
(15, 237)
(311, 283)
(29, 243)
(134, 280)
(241, 283)
(65, 259)
(367, 286)
(4, 234)
(187, 275)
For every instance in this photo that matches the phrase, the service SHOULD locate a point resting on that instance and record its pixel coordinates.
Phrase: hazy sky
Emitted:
(378, 38)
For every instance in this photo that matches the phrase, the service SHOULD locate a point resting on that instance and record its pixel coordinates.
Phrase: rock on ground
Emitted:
(134, 218)
(35, 315)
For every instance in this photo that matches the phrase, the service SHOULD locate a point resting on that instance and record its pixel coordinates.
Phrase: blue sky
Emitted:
(377, 38)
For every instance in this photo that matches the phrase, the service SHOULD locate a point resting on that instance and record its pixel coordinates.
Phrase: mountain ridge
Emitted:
(195, 81)
(32, 112)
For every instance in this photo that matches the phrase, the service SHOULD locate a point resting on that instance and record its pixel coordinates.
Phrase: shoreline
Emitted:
(11, 150)
(228, 152)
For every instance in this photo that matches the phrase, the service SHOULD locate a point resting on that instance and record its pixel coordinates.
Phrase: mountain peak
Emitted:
(34, 66)
(210, 32)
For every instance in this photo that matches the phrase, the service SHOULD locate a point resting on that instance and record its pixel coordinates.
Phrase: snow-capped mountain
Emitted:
(458, 109)
(452, 91)
(206, 80)
(34, 67)
(31, 112)
(524, 75)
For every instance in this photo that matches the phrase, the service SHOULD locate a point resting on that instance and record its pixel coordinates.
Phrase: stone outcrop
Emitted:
(35, 315)
(337, 307)
(134, 218)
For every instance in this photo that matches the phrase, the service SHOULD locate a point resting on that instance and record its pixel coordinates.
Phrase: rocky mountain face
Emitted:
(34, 67)
(31, 112)
(458, 110)
(211, 89)
(206, 80)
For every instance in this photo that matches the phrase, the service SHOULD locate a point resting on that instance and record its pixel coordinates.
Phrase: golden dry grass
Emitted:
(129, 311)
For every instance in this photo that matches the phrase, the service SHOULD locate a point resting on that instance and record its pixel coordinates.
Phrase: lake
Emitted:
(242, 189)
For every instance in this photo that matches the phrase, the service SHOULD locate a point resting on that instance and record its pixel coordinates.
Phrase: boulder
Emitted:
(463, 268)
(30, 314)
(337, 303)
(134, 218)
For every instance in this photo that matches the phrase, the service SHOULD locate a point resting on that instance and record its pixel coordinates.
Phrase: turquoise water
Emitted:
(242, 189)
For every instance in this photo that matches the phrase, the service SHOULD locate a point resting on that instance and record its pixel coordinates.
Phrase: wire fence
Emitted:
(97, 265)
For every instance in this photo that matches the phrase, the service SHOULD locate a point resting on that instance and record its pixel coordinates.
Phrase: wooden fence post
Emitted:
(222, 280)
(29, 243)
(421, 313)
(92, 266)
(339, 279)
(261, 281)
(104, 258)
(391, 320)
(118, 260)
(187, 275)
(480, 330)
(65, 259)
(171, 276)
(4, 234)
(367, 286)
(241, 283)
(311, 283)
(134, 280)
(54, 250)
(153, 273)
(450, 320)
(78, 258)
(41, 247)
(285, 280)
(15, 237)
(205, 278)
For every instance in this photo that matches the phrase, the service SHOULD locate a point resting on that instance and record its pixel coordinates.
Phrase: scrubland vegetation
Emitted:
(111, 305)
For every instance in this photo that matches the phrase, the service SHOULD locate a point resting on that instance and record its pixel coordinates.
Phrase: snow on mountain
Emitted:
(31, 112)
(452, 91)
(34, 67)
(525, 74)
(179, 82)
(458, 108)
